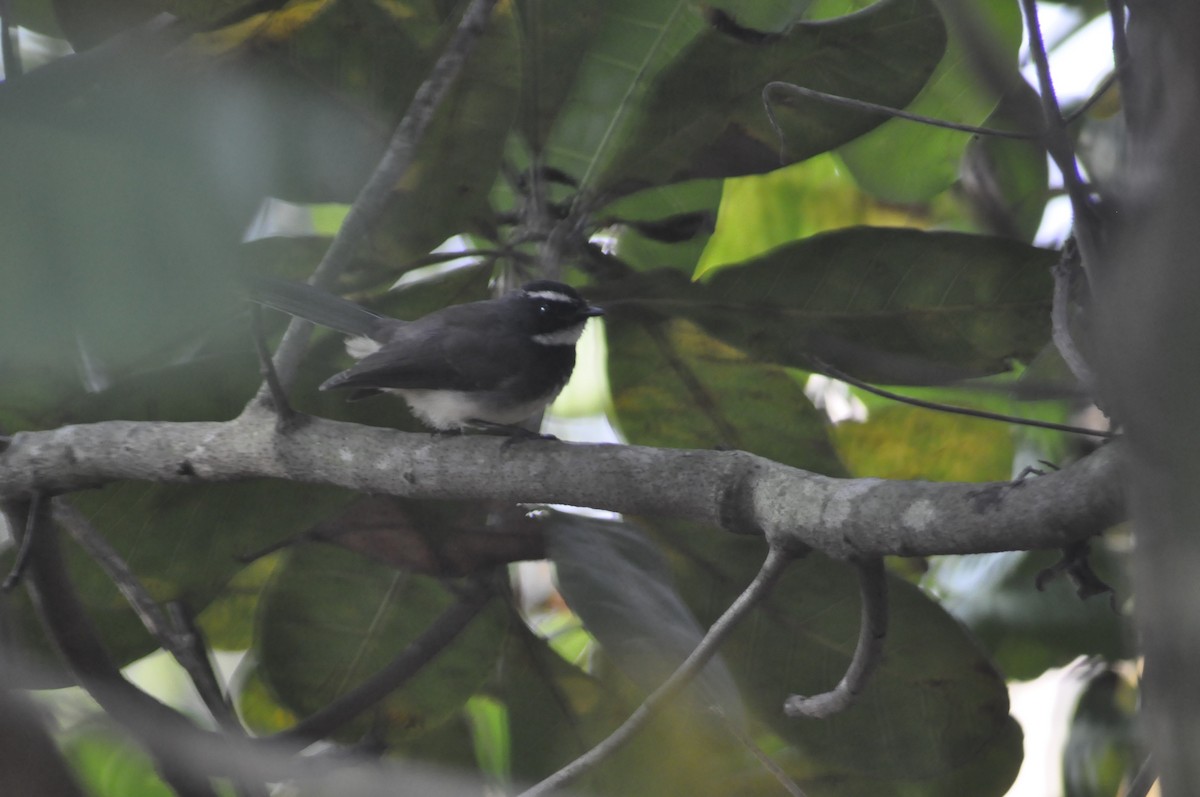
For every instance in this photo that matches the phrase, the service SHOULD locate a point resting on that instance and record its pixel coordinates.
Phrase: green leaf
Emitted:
(110, 765)
(1004, 180)
(331, 619)
(675, 386)
(904, 161)
(761, 212)
(555, 37)
(664, 97)
(893, 306)
(548, 703)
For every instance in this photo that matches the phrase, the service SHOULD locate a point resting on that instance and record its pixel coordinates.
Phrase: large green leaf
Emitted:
(888, 305)
(662, 96)
(958, 737)
(761, 212)
(331, 618)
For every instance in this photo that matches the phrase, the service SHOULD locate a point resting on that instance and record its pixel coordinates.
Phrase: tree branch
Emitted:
(760, 587)
(868, 652)
(740, 492)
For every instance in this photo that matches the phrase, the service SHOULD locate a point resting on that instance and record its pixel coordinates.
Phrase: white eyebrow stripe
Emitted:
(553, 296)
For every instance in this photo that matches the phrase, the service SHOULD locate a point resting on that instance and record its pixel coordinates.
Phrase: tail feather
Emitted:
(314, 304)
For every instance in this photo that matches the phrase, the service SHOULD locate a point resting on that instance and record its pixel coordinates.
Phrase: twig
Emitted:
(870, 107)
(867, 653)
(1144, 780)
(31, 532)
(1056, 140)
(440, 633)
(66, 623)
(773, 567)
(1065, 272)
(394, 164)
(950, 408)
(284, 414)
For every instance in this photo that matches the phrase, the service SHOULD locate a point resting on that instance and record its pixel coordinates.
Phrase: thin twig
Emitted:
(950, 408)
(1058, 144)
(868, 652)
(870, 107)
(777, 560)
(1144, 780)
(422, 650)
(394, 164)
(31, 531)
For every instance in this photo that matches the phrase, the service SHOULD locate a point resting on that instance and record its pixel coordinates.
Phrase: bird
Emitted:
(487, 364)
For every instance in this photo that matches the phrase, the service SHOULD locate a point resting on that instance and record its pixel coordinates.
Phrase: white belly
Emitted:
(450, 409)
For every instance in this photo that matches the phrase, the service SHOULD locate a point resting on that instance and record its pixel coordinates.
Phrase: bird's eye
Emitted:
(543, 308)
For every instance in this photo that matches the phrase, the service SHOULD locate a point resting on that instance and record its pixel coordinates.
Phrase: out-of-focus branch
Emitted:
(66, 623)
(395, 163)
(171, 633)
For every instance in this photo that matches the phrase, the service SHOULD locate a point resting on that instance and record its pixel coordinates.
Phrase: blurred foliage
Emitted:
(728, 253)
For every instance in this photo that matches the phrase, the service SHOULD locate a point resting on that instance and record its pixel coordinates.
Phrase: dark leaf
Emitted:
(664, 96)
(330, 618)
(893, 306)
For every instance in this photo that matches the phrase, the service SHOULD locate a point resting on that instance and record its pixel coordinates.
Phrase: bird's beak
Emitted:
(592, 311)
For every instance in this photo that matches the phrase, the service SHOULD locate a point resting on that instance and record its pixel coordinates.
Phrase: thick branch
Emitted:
(737, 491)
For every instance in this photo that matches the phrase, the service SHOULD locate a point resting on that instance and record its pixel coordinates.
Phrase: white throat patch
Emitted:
(561, 337)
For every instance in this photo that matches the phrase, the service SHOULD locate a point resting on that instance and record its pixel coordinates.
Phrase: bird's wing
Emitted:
(466, 349)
